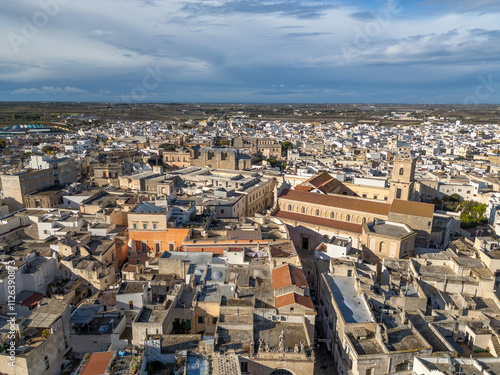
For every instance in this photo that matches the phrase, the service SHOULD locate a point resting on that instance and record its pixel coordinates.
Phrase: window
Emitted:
(46, 359)
(401, 171)
(375, 197)
(157, 247)
(170, 247)
(214, 320)
(303, 210)
(305, 243)
(398, 193)
(144, 226)
(364, 196)
(201, 319)
(244, 366)
(289, 209)
(317, 212)
(332, 215)
(221, 211)
(349, 273)
(348, 218)
(144, 246)
(155, 225)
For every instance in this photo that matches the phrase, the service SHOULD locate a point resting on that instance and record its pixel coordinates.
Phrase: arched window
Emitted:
(303, 210)
(348, 218)
(317, 212)
(364, 220)
(401, 171)
(332, 215)
(289, 207)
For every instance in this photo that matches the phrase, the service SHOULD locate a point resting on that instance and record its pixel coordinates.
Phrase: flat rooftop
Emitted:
(367, 345)
(148, 315)
(270, 333)
(353, 307)
(390, 230)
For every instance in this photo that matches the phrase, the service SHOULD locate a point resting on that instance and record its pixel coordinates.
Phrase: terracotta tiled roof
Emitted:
(323, 182)
(33, 299)
(338, 201)
(412, 208)
(97, 364)
(320, 179)
(329, 186)
(291, 298)
(321, 221)
(288, 275)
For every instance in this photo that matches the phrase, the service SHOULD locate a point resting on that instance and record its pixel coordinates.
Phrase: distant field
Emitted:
(18, 113)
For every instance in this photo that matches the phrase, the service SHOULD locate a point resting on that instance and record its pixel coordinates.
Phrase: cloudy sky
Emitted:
(406, 51)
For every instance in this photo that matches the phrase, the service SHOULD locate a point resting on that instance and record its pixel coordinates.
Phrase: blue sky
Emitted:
(281, 51)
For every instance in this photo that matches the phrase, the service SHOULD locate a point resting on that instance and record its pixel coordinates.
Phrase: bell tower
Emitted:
(402, 179)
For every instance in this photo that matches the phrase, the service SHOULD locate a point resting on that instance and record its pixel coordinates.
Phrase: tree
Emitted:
(3, 144)
(47, 149)
(473, 214)
(285, 146)
(168, 146)
(273, 162)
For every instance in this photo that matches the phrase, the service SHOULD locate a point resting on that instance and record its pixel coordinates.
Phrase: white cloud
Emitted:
(49, 90)
(100, 32)
(114, 42)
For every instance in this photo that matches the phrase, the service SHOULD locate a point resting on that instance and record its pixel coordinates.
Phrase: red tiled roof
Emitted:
(97, 364)
(32, 300)
(321, 221)
(412, 208)
(291, 298)
(288, 275)
(329, 186)
(320, 179)
(338, 201)
(323, 182)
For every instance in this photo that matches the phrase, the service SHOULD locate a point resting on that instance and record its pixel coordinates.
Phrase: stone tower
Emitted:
(402, 179)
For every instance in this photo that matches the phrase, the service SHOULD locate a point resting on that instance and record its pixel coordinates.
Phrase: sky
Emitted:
(251, 51)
